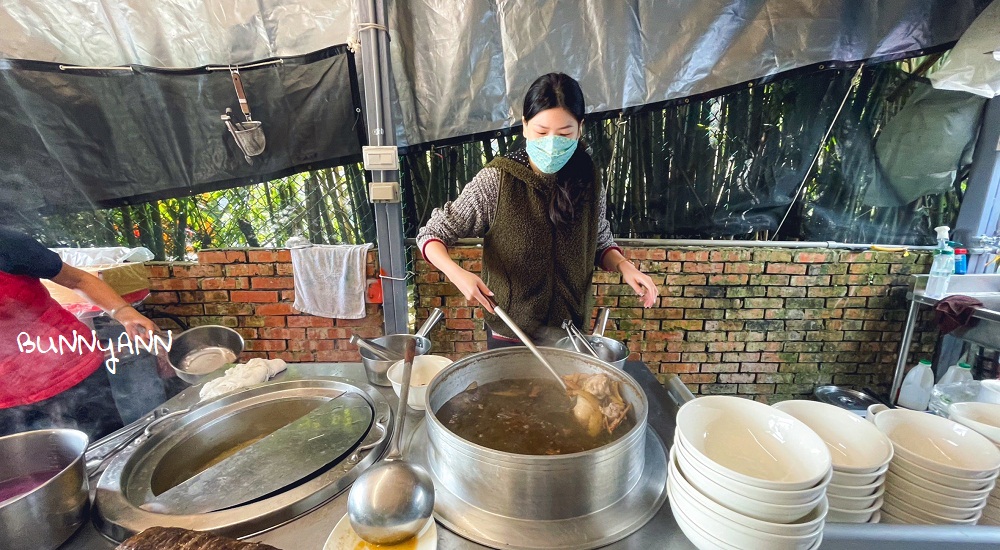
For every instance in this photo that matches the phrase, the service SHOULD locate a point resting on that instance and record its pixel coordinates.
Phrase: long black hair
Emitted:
(577, 177)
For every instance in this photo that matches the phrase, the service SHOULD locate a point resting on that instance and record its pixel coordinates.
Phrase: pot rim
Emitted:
(604, 452)
(77, 460)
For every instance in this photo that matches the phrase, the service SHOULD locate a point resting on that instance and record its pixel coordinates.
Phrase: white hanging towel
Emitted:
(330, 280)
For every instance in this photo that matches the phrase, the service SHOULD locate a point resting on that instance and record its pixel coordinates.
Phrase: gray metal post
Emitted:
(980, 209)
(904, 350)
(381, 131)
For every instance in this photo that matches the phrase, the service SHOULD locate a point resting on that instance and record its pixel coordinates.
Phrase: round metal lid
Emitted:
(844, 398)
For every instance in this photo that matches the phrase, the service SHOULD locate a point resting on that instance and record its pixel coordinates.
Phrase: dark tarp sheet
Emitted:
(81, 139)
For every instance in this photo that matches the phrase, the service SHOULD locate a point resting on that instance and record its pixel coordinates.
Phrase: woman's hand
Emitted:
(472, 287)
(135, 323)
(641, 283)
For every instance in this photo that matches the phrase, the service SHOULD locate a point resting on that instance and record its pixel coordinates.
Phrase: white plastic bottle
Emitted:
(943, 266)
(961, 372)
(915, 392)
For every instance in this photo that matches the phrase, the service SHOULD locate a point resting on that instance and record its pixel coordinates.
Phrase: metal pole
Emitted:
(904, 350)
(381, 131)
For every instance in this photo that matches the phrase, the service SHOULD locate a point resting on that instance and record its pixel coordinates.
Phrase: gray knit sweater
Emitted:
(471, 214)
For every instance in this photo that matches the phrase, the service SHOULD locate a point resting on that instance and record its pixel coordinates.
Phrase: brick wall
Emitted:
(766, 322)
(251, 290)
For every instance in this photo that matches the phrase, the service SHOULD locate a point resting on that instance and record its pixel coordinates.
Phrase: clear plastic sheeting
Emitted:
(462, 67)
(973, 65)
(173, 33)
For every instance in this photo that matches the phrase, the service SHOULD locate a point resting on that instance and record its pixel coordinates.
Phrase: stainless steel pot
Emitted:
(376, 370)
(209, 342)
(529, 486)
(44, 517)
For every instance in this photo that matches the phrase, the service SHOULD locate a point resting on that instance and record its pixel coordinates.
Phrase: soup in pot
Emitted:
(533, 416)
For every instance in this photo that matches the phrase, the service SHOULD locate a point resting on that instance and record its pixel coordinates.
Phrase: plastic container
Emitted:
(915, 393)
(961, 261)
(956, 373)
(943, 395)
(943, 266)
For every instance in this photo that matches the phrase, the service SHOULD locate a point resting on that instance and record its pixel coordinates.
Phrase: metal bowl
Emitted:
(205, 348)
(376, 369)
(52, 461)
(611, 351)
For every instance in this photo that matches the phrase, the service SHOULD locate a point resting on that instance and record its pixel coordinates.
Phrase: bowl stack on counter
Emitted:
(941, 473)
(985, 419)
(743, 475)
(860, 455)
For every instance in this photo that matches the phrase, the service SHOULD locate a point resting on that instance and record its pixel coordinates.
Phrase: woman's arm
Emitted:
(468, 283)
(104, 297)
(641, 283)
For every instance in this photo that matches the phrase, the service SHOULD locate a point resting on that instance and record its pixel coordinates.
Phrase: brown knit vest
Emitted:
(539, 272)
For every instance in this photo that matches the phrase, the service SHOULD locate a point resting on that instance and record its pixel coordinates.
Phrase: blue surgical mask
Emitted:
(551, 153)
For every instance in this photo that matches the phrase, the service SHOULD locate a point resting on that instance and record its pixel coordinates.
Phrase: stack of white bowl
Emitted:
(985, 419)
(743, 475)
(860, 455)
(942, 472)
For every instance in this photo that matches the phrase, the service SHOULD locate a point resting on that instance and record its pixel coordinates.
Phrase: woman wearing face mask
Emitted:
(541, 214)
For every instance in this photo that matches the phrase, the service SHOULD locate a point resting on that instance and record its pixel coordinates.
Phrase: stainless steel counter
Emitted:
(310, 531)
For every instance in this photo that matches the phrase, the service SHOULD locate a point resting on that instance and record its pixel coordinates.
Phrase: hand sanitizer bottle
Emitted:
(943, 266)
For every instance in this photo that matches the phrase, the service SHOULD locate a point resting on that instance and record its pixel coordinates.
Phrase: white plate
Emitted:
(343, 537)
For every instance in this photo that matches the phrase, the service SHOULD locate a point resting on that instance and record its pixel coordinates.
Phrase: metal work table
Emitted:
(986, 333)
(310, 531)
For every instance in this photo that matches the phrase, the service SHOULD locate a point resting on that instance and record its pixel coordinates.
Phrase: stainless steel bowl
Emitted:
(611, 351)
(52, 461)
(207, 346)
(376, 370)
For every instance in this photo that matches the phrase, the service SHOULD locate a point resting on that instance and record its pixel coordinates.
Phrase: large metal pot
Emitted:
(44, 517)
(537, 487)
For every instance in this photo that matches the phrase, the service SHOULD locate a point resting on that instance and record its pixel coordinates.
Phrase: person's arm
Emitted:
(642, 284)
(104, 297)
(469, 215)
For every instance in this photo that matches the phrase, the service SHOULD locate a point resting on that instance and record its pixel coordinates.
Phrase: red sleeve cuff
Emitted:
(422, 248)
(600, 255)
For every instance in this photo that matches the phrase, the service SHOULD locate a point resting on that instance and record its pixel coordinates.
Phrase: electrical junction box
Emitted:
(383, 191)
(381, 157)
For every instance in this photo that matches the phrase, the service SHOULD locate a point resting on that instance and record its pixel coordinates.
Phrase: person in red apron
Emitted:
(52, 389)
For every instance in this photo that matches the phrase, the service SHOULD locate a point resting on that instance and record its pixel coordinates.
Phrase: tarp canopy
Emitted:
(460, 67)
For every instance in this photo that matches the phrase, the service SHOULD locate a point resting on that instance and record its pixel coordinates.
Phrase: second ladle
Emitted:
(525, 340)
(391, 501)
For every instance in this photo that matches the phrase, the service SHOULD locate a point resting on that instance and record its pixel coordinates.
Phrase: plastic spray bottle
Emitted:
(943, 266)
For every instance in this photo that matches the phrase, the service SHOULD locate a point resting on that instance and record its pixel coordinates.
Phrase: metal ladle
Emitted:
(377, 350)
(391, 501)
(525, 340)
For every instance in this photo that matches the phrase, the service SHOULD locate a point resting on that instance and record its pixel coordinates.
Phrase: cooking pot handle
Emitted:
(432, 319)
(380, 425)
(95, 464)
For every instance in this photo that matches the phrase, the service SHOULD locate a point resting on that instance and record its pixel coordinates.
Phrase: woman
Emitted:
(43, 390)
(541, 213)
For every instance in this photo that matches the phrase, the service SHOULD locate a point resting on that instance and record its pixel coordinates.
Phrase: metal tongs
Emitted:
(249, 135)
(525, 340)
(577, 338)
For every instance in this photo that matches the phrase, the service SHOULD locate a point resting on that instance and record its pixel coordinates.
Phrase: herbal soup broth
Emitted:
(524, 416)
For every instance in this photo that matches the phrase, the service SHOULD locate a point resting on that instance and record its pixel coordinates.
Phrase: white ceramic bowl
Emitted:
(856, 446)
(425, 368)
(854, 504)
(939, 444)
(735, 533)
(752, 443)
(933, 508)
(739, 496)
(918, 474)
(854, 491)
(992, 513)
(989, 391)
(684, 491)
(911, 508)
(845, 479)
(698, 536)
(982, 417)
(901, 486)
(741, 536)
(854, 516)
(894, 516)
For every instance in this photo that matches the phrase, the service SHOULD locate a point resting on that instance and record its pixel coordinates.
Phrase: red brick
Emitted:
(253, 296)
(222, 256)
(309, 321)
(275, 309)
(328, 333)
(272, 333)
(337, 356)
(262, 256)
(158, 271)
(174, 284)
(248, 270)
(814, 257)
(266, 345)
(226, 283)
(197, 271)
(271, 282)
